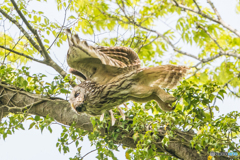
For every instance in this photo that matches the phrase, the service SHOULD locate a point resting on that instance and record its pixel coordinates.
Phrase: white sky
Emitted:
(32, 144)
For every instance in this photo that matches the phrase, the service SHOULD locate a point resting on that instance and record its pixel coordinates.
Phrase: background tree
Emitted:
(190, 132)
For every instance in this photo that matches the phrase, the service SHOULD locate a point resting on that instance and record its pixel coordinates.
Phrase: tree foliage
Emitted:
(152, 133)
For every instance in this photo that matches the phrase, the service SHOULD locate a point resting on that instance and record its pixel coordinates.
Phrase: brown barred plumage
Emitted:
(112, 75)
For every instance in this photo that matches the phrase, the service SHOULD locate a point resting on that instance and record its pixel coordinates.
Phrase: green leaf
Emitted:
(31, 125)
(62, 90)
(50, 129)
(46, 40)
(37, 118)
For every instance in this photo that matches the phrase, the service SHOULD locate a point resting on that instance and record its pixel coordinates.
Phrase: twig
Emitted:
(150, 41)
(35, 45)
(153, 31)
(89, 153)
(22, 54)
(197, 5)
(215, 41)
(233, 92)
(6, 55)
(61, 27)
(221, 53)
(215, 10)
(197, 69)
(221, 22)
(47, 59)
(215, 99)
(42, 49)
(195, 66)
(176, 3)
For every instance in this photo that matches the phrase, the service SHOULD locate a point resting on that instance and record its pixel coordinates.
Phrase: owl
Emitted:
(111, 76)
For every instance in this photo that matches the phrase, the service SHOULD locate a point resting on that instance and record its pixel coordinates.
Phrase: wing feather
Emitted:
(100, 64)
(165, 76)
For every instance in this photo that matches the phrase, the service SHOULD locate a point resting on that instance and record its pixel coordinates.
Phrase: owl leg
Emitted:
(125, 106)
(163, 105)
(121, 113)
(112, 117)
(101, 117)
(164, 96)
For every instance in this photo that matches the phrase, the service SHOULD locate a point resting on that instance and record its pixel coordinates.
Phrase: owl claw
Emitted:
(112, 117)
(125, 106)
(175, 105)
(173, 108)
(121, 113)
(102, 117)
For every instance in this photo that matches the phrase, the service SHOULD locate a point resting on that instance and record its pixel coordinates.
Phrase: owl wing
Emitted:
(100, 64)
(165, 76)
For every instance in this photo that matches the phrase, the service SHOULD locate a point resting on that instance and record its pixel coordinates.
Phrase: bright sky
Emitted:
(32, 144)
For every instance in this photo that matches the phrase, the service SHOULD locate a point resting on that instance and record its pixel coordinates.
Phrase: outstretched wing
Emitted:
(100, 64)
(165, 76)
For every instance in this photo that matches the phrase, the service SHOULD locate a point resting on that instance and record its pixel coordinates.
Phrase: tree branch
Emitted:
(48, 61)
(221, 22)
(215, 41)
(238, 96)
(61, 27)
(42, 50)
(88, 153)
(22, 54)
(35, 45)
(197, 5)
(62, 112)
(221, 53)
(215, 10)
(158, 34)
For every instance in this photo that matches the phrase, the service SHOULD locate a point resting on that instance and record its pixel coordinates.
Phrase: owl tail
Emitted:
(165, 76)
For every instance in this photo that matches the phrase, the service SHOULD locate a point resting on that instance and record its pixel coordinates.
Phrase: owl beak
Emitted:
(72, 106)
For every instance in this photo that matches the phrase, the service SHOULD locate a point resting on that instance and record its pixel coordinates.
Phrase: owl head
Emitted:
(77, 98)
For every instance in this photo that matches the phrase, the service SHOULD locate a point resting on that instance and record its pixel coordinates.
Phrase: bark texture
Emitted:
(17, 101)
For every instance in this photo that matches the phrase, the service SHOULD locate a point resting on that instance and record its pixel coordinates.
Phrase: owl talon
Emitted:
(102, 117)
(125, 106)
(170, 99)
(121, 113)
(112, 117)
(173, 108)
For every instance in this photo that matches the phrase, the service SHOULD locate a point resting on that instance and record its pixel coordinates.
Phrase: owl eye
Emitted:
(77, 94)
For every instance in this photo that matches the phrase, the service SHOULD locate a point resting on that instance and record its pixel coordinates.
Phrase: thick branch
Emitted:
(61, 111)
(48, 61)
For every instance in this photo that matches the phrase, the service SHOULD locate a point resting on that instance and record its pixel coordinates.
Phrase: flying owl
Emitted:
(111, 76)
